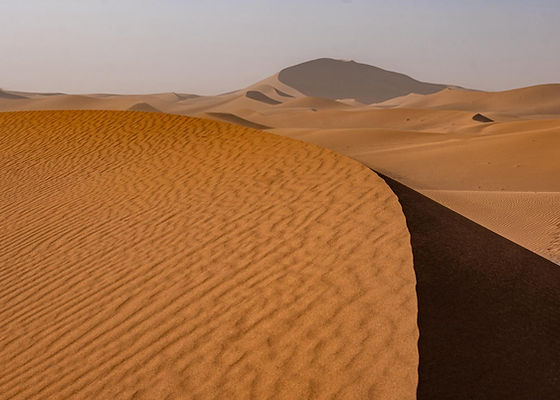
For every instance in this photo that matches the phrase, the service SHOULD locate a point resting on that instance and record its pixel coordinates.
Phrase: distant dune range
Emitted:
(434, 138)
(155, 256)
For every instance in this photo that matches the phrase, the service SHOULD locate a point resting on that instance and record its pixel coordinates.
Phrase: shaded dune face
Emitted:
(258, 96)
(11, 96)
(146, 107)
(234, 119)
(151, 256)
(488, 309)
(336, 79)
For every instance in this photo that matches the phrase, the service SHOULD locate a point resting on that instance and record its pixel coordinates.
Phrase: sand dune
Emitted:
(501, 175)
(523, 157)
(447, 140)
(282, 94)
(542, 99)
(8, 95)
(338, 79)
(343, 117)
(234, 119)
(263, 98)
(146, 107)
(313, 102)
(487, 309)
(152, 256)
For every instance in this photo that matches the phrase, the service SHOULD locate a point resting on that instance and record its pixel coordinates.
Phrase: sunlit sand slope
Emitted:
(152, 256)
(541, 99)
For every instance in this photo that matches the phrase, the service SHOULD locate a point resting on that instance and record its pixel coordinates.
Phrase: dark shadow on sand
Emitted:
(488, 309)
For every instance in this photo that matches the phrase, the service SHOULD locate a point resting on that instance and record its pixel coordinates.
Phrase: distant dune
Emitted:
(143, 107)
(337, 79)
(281, 93)
(313, 102)
(153, 256)
(11, 96)
(234, 119)
(258, 96)
(538, 100)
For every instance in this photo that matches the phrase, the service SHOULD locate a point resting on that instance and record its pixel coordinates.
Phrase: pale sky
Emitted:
(214, 46)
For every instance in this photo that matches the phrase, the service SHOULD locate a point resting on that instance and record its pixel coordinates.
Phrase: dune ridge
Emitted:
(540, 99)
(339, 79)
(148, 255)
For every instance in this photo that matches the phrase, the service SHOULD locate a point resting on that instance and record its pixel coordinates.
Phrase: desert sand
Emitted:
(487, 308)
(148, 255)
(430, 137)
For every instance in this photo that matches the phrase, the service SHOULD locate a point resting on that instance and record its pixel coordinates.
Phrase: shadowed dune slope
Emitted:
(154, 256)
(338, 79)
(531, 219)
(282, 94)
(313, 102)
(10, 96)
(487, 309)
(234, 119)
(146, 107)
(263, 98)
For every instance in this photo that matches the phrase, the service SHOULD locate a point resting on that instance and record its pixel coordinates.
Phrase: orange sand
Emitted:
(147, 255)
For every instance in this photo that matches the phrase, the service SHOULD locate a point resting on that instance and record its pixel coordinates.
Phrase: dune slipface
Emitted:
(155, 256)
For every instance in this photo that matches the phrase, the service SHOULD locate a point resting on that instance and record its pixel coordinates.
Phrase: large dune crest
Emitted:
(339, 79)
(147, 255)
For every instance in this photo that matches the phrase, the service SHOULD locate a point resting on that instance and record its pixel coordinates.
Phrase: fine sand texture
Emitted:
(155, 256)
(487, 309)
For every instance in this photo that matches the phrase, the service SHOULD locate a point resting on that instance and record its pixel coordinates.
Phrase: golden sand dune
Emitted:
(541, 99)
(451, 139)
(152, 256)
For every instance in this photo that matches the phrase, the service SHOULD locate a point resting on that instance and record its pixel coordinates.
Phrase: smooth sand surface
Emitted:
(487, 309)
(147, 255)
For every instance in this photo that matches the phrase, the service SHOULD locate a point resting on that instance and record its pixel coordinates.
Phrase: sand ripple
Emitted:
(156, 256)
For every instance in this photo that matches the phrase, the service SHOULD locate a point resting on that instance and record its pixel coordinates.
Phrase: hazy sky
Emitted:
(212, 46)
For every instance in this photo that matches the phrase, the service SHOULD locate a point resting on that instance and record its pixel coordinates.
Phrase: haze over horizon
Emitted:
(216, 46)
